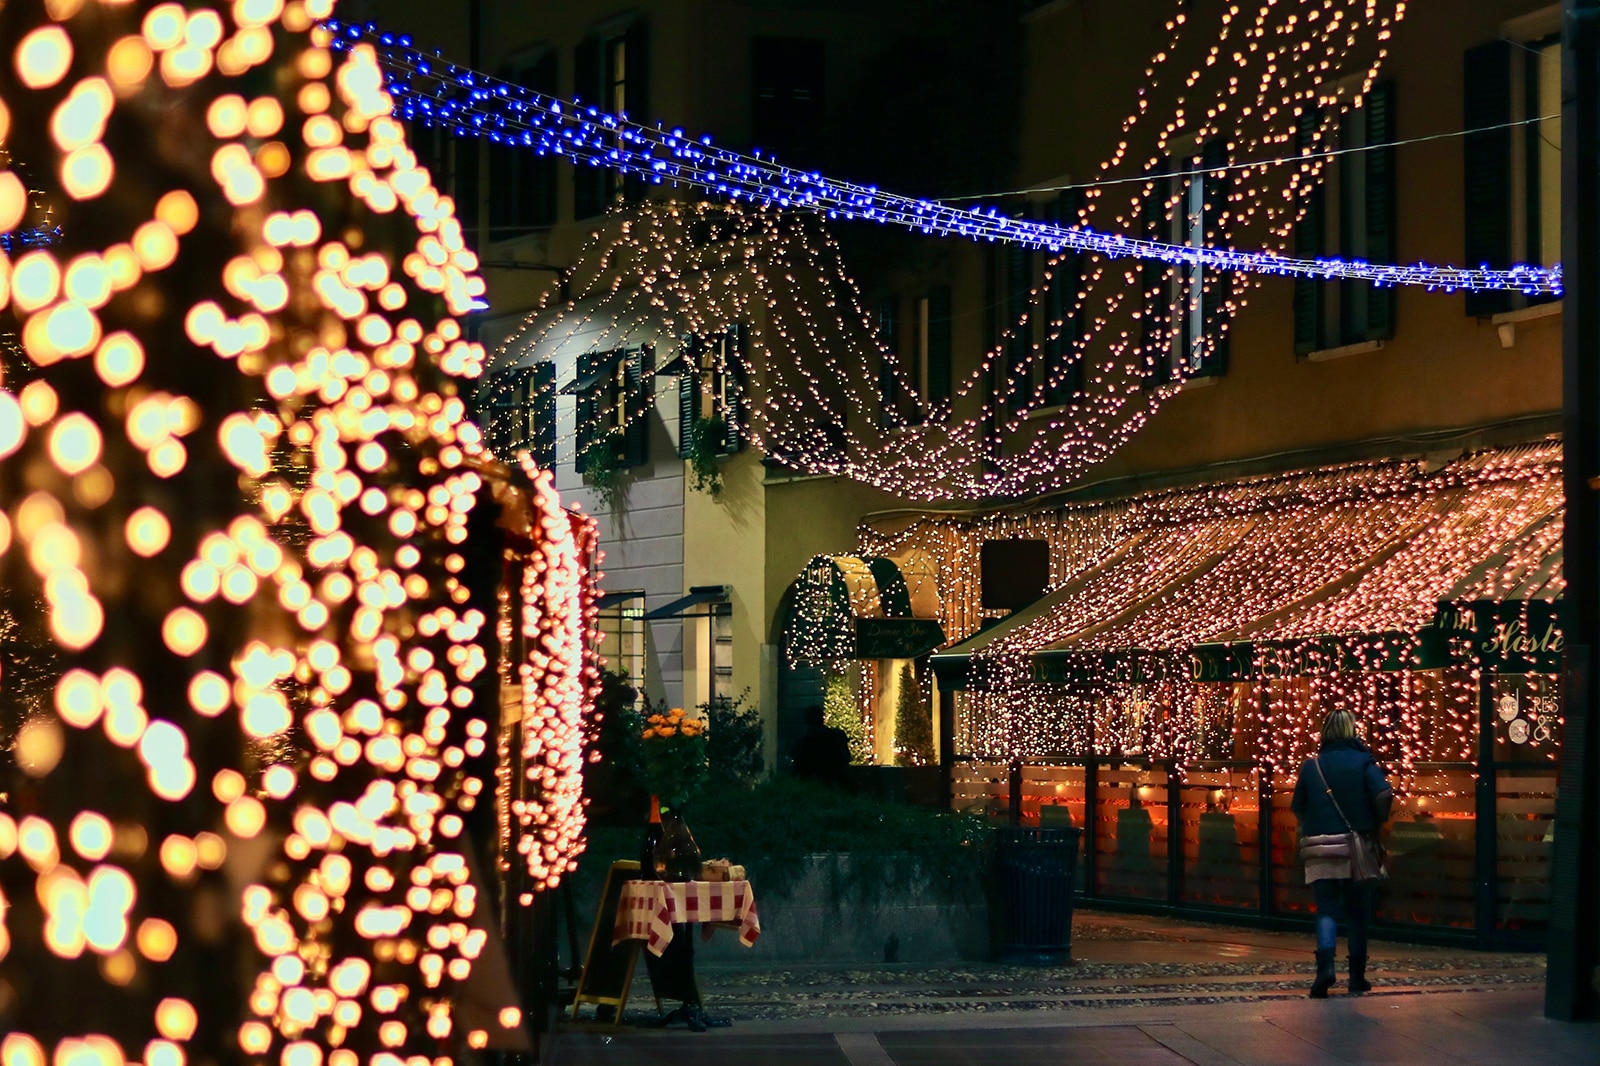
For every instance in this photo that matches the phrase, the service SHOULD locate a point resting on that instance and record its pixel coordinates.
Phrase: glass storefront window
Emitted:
(1131, 830)
(1525, 812)
(1220, 810)
(1431, 838)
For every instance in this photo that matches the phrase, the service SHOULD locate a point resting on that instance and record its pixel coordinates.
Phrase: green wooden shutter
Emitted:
(637, 87)
(940, 354)
(1019, 279)
(739, 376)
(1380, 188)
(888, 338)
(688, 394)
(640, 368)
(1156, 308)
(1309, 243)
(544, 415)
(588, 182)
(588, 411)
(1210, 357)
(1487, 159)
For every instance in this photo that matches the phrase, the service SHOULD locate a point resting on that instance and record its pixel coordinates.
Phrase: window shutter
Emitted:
(737, 416)
(940, 371)
(1487, 158)
(1157, 304)
(588, 182)
(637, 87)
(688, 394)
(544, 415)
(1209, 357)
(888, 336)
(1019, 279)
(586, 414)
(1308, 244)
(641, 399)
(1062, 305)
(1380, 247)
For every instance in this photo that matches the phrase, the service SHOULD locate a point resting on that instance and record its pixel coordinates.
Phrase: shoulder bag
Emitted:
(1368, 857)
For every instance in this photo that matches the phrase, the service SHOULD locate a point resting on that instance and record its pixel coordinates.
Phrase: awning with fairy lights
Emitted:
(864, 607)
(1378, 567)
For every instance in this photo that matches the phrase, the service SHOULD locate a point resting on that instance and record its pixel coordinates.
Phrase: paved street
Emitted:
(1141, 990)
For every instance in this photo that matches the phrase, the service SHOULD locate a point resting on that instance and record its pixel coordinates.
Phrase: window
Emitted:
(1019, 289)
(920, 349)
(615, 392)
(1185, 315)
(889, 392)
(1063, 311)
(786, 105)
(517, 407)
(522, 183)
(711, 385)
(611, 70)
(1350, 215)
(1512, 193)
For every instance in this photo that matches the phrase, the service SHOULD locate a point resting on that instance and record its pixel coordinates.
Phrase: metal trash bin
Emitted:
(1037, 872)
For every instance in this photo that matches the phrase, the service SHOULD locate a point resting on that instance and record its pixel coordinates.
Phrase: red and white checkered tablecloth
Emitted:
(648, 910)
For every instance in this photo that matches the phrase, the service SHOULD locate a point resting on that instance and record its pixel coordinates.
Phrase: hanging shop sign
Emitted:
(1518, 636)
(897, 638)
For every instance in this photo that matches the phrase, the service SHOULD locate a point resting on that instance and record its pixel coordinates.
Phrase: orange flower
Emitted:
(665, 731)
(677, 712)
(648, 733)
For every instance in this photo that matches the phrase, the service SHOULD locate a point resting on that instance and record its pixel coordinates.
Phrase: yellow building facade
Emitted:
(1292, 378)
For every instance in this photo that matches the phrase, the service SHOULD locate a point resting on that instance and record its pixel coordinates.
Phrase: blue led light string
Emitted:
(434, 92)
(23, 239)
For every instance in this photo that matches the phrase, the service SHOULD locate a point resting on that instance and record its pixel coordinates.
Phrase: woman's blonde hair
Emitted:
(1339, 725)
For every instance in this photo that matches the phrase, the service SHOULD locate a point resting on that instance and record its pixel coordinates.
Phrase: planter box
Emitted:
(913, 924)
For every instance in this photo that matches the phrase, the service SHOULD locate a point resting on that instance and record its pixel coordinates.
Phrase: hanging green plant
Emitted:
(706, 438)
(603, 468)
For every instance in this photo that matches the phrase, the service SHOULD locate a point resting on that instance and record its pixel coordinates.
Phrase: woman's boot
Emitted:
(1325, 978)
(1358, 975)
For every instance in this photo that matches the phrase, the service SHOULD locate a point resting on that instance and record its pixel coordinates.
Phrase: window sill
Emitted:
(1324, 355)
(1506, 321)
(1199, 383)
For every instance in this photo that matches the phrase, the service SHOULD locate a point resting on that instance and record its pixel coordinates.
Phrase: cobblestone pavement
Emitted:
(1140, 991)
(1119, 961)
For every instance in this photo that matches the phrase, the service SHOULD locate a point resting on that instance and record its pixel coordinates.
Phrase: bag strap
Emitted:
(1316, 760)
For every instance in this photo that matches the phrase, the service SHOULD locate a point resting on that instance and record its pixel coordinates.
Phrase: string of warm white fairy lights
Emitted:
(238, 478)
(1085, 350)
(434, 92)
(1274, 562)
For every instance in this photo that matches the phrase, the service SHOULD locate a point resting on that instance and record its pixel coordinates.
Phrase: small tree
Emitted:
(839, 710)
(913, 725)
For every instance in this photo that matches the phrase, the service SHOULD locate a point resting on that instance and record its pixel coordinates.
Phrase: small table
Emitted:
(651, 911)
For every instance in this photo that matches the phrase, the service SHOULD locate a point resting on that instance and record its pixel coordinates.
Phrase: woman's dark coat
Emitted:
(1357, 783)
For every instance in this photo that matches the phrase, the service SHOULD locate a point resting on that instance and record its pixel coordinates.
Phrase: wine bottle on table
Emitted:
(652, 837)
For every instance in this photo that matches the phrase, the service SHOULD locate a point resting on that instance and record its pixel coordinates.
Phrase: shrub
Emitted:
(839, 710)
(736, 730)
(913, 725)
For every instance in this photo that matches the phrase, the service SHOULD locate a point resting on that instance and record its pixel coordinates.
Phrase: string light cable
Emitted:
(435, 92)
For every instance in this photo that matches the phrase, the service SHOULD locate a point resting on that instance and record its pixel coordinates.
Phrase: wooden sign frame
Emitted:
(608, 969)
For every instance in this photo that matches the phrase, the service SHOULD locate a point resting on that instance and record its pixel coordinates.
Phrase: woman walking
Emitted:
(1341, 790)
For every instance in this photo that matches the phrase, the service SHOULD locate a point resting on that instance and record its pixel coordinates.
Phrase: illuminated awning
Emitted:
(1384, 566)
(864, 607)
